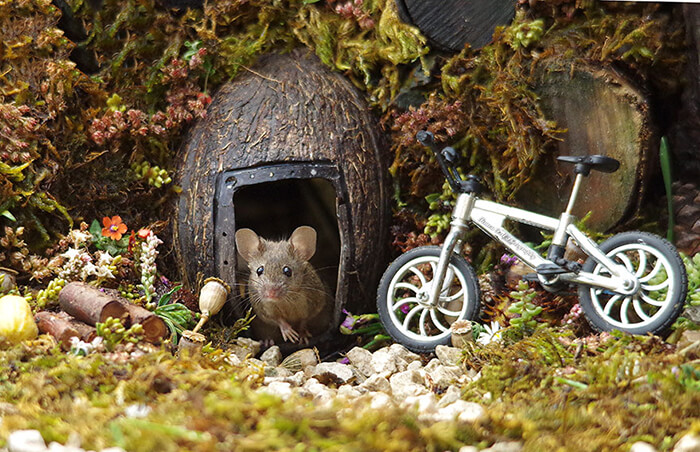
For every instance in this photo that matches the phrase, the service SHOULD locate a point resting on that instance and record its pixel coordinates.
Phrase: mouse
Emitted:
(284, 290)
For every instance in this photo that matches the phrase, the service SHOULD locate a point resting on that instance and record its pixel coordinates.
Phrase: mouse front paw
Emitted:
(288, 333)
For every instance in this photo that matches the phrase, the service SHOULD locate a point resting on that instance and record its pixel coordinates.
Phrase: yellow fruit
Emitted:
(16, 320)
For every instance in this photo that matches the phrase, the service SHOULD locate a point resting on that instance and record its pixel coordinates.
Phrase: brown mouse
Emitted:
(284, 289)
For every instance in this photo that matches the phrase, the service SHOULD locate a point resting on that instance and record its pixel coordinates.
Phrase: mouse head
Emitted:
(276, 266)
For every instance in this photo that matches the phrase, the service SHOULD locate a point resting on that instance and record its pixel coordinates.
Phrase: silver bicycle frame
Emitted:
(489, 217)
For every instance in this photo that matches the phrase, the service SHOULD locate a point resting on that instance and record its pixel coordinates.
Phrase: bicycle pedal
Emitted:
(530, 277)
(550, 269)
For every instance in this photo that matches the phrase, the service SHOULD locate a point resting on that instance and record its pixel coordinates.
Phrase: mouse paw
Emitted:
(288, 333)
(304, 336)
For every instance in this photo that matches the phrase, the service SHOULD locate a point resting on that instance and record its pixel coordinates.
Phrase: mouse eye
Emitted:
(287, 272)
(260, 270)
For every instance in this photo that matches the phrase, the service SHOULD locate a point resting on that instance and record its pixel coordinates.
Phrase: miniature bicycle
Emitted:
(634, 281)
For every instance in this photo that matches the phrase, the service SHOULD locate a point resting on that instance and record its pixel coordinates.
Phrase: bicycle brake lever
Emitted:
(425, 138)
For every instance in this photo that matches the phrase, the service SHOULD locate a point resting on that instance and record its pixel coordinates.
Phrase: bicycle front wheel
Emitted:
(663, 286)
(403, 299)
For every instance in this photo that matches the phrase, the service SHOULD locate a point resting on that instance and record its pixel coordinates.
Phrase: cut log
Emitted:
(604, 113)
(154, 328)
(57, 326)
(450, 24)
(90, 305)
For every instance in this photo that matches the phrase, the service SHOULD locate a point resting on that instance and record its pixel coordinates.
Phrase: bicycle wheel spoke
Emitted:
(651, 301)
(656, 287)
(611, 302)
(655, 271)
(409, 316)
(407, 286)
(453, 297)
(437, 322)
(623, 311)
(421, 322)
(642, 263)
(402, 302)
(420, 276)
(626, 262)
(448, 312)
(638, 309)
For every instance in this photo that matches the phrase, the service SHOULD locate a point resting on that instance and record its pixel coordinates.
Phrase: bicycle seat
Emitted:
(586, 163)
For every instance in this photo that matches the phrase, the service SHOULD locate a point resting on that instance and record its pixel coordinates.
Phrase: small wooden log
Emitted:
(154, 328)
(57, 326)
(450, 24)
(90, 305)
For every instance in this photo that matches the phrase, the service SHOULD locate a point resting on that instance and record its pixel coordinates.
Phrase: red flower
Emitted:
(113, 228)
(144, 233)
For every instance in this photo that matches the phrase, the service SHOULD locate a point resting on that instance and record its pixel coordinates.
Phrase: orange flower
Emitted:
(113, 228)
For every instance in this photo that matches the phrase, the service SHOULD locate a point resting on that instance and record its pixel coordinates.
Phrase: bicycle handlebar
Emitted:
(447, 159)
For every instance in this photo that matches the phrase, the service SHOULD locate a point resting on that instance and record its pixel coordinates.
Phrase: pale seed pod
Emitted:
(300, 360)
(461, 333)
(212, 297)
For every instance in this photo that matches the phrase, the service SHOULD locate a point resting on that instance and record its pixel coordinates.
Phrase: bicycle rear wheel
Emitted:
(663, 286)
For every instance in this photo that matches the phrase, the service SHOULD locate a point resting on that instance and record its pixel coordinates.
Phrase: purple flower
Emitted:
(405, 308)
(508, 260)
(349, 321)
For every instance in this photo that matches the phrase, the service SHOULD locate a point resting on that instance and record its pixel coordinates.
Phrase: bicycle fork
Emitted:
(458, 226)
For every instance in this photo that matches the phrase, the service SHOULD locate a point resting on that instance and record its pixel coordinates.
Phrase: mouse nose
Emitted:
(272, 292)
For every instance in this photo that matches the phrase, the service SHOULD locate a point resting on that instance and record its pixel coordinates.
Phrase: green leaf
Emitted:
(165, 299)
(7, 214)
(95, 229)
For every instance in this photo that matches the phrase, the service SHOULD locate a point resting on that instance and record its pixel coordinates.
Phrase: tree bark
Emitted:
(604, 113)
(450, 24)
(90, 305)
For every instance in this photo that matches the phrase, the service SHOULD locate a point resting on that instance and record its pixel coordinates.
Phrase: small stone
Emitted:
(641, 446)
(244, 347)
(449, 356)
(440, 376)
(402, 356)
(361, 360)
(298, 379)
(58, 447)
(277, 372)
(377, 383)
(272, 356)
(505, 446)
(280, 389)
(414, 365)
(379, 401)
(233, 359)
(451, 395)
(333, 373)
(468, 449)
(26, 441)
(687, 338)
(348, 391)
(426, 404)
(463, 411)
(688, 443)
(383, 362)
(406, 384)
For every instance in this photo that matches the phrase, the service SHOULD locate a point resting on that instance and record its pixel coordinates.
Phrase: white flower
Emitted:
(81, 348)
(104, 259)
(492, 333)
(72, 253)
(79, 237)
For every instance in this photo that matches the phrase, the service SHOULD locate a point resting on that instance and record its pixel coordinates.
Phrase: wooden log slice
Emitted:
(450, 24)
(88, 304)
(604, 113)
(154, 328)
(57, 326)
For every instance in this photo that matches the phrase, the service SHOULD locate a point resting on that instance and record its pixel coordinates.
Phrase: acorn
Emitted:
(212, 297)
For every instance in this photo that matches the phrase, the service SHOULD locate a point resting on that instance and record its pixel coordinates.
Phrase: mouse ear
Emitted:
(303, 240)
(247, 243)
